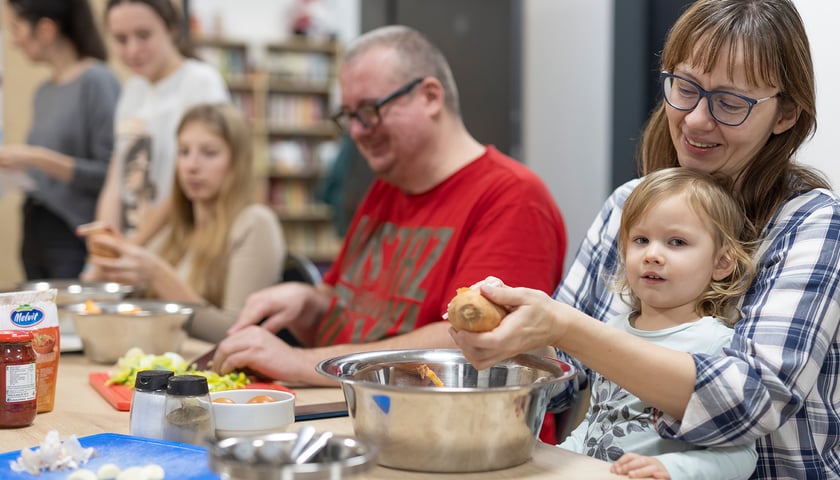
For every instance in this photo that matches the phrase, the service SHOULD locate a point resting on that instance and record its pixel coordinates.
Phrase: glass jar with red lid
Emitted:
(18, 402)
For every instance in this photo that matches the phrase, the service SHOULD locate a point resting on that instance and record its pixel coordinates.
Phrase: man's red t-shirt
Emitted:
(404, 255)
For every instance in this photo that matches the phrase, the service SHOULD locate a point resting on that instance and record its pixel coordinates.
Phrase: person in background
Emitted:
(345, 185)
(443, 211)
(71, 137)
(739, 100)
(150, 40)
(219, 245)
(681, 269)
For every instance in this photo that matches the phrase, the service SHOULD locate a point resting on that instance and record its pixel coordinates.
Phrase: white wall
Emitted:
(267, 20)
(566, 104)
(821, 24)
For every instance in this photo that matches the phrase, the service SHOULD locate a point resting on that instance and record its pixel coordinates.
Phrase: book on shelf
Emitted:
(301, 157)
(295, 110)
(231, 62)
(310, 68)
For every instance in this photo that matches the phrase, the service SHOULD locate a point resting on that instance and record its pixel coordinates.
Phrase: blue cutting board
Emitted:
(179, 460)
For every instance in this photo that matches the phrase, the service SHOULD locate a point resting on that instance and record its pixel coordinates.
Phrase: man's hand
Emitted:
(290, 304)
(636, 466)
(257, 349)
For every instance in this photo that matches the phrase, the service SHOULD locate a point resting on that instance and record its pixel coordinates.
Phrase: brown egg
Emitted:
(223, 400)
(261, 399)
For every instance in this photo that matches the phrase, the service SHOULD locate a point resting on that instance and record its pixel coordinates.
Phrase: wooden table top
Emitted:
(80, 410)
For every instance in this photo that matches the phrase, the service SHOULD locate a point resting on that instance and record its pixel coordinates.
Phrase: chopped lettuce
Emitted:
(135, 361)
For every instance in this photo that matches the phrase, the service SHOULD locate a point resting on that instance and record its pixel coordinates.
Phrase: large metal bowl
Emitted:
(73, 291)
(151, 325)
(478, 421)
(268, 457)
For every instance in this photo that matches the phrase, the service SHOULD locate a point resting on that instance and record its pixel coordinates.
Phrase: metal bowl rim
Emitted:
(350, 464)
(149, 307)
(437, 355)
(64, 284)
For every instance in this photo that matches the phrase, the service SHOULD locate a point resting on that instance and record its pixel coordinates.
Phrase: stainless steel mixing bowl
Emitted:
(478, 421)
(154, 326)
(74, 291)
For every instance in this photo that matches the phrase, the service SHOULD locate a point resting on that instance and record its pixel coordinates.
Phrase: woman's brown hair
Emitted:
(172, 18)
(777, 51)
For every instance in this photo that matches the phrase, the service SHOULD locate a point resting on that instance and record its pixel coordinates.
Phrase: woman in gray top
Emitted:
(71, 138)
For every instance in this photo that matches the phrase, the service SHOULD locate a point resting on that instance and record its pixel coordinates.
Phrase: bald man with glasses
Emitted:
(444, 212)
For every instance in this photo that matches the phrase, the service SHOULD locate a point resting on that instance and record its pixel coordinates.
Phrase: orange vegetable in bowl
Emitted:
(222, 400)
(261, 399)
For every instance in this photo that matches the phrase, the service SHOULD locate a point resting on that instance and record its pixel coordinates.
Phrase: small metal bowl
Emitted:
(154, 326)
(267, 457)
(478, 420)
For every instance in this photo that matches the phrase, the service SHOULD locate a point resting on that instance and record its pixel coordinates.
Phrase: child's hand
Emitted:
(635, 466)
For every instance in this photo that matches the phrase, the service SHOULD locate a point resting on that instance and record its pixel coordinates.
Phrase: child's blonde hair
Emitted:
(709, 197)
(210, 248)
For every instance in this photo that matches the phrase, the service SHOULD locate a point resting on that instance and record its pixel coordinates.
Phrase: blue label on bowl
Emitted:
(27, 316)
(383, 402)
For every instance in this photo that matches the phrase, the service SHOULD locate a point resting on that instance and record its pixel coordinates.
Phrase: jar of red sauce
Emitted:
(18, 403)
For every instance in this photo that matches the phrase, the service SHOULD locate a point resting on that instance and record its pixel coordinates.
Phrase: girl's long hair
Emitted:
(209, 245)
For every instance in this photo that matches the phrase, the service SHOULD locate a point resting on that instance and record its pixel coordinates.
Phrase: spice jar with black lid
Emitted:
(188, 417)
(148, 402)
(18, 400)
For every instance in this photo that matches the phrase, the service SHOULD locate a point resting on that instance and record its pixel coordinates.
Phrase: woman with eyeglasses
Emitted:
(739, 99)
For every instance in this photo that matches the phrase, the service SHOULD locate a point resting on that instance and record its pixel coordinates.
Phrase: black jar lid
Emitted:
(152, 380)
(187, 385)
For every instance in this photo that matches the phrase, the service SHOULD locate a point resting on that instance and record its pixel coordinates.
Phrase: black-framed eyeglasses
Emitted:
(368, 113)
(726, 107)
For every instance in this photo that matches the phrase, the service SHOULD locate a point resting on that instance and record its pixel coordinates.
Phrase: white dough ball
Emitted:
(154, 471)
(82, 474)
(109, 471)
(132, 473)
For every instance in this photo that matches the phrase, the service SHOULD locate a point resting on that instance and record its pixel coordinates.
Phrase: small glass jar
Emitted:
(148, 403)
(18, 401)
(188, 417)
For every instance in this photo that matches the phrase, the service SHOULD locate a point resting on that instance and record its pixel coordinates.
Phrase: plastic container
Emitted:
(148, 403)
(188, 417)
(18, 400)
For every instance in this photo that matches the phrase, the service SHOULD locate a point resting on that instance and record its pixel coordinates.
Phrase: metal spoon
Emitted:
(313, 448)
(304, 436)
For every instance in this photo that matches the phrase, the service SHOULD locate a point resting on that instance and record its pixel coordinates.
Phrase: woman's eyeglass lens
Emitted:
(368, 113)
(727, 108)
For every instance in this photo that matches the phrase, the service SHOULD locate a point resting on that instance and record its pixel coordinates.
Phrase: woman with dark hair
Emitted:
(71, 138)
(149, 38)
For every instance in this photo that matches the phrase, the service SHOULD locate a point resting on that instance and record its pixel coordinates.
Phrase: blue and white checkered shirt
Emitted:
(779, 381)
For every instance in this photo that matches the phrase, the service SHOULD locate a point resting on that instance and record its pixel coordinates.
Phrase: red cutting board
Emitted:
(119, 396)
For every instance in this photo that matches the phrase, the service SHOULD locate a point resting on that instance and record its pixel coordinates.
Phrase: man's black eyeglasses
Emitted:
(368, 113)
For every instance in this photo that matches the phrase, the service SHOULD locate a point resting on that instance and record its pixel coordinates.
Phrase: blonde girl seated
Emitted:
(219, 244)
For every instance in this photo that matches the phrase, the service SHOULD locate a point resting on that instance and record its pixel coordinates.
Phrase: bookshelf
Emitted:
(286, 95)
